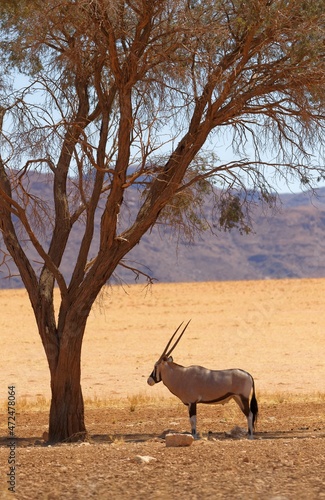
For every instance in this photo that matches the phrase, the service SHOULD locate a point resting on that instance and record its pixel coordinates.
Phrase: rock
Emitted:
(179, 439)
(146, 459)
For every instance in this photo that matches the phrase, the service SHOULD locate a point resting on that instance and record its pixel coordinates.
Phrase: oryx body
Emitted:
(196, 384)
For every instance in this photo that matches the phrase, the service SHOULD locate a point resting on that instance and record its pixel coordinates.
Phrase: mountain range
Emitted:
(286, 243)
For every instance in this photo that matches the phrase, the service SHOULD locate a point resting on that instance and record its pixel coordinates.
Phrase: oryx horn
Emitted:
(170, 341)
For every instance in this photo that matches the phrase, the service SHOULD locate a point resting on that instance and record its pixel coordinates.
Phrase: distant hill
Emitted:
(287, 244)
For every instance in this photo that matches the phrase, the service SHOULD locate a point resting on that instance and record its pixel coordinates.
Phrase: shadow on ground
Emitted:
(142, 438)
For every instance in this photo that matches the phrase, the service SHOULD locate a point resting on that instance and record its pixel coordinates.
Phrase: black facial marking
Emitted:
(154, 376)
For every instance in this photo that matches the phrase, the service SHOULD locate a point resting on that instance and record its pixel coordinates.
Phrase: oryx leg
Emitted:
(243, 404)
(192, 415)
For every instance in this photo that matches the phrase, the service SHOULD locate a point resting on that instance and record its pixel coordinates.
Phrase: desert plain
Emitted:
(275, 329)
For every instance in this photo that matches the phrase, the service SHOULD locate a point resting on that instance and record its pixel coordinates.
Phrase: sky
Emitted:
(222, 150)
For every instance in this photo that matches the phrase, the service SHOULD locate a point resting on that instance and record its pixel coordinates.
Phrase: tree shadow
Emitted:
(23, 442)
(271, 435)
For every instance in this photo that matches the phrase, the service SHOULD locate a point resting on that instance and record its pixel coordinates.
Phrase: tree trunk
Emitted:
(67, 406)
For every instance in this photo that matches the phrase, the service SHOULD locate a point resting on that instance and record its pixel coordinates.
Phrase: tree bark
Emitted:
(66, 422)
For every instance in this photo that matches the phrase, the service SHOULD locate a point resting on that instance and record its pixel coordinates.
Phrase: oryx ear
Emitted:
(167, 359)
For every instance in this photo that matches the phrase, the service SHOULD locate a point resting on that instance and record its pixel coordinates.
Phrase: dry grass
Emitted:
(287, 397)
(39, 403)
(134, 401)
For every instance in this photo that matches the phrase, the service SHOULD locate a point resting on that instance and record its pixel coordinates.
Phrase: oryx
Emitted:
(195, 384)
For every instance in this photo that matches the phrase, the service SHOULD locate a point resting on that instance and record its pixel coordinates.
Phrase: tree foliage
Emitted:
(105, 96)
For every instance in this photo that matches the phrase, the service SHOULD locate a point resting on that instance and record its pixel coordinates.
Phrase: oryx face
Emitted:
(155, 375)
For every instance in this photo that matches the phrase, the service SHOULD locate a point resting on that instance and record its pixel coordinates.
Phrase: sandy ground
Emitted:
(273, 329)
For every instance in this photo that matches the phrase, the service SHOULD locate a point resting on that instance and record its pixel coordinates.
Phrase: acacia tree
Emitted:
(119, 94)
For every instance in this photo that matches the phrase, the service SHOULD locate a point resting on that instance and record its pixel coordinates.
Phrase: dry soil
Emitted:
(273, 329)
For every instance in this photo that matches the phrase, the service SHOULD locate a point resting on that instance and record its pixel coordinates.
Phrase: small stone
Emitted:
(179, 439)
(146, 459)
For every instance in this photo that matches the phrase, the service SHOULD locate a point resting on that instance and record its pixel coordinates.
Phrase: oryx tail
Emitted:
(254, 406)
